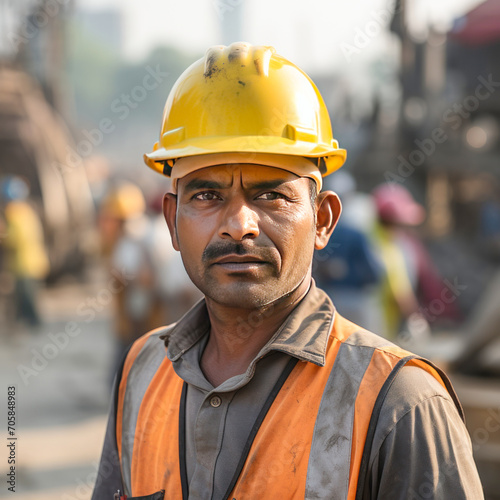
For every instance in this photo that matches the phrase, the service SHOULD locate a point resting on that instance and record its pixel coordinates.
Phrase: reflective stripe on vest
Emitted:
(310, 443)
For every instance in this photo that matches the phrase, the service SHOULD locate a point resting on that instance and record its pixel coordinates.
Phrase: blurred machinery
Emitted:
(35, 142)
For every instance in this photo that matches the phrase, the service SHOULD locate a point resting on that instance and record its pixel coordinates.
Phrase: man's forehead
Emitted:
(246, 173)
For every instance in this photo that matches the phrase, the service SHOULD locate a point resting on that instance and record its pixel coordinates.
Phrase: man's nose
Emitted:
(239, 221)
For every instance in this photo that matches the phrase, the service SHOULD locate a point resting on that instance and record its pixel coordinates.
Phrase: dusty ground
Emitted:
(62, 393)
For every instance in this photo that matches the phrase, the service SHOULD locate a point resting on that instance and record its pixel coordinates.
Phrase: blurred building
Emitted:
(469, 161)
(448, 132)
(105, 25)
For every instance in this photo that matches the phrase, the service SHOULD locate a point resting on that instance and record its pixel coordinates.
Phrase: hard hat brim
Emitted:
(334, 157)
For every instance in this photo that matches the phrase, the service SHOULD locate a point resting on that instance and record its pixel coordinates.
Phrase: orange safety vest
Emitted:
(309, 441)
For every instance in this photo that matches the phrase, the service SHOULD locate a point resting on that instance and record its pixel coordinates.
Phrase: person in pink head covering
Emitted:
(411, 281)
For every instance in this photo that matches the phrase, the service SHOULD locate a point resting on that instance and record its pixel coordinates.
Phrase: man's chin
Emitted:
(243, 295)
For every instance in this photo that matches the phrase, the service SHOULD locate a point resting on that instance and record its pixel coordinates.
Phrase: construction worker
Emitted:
(26, 257)
(263, 391)
(124, 230)
(410, 281)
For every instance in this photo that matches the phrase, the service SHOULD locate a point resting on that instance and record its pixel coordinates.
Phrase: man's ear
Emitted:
(328, 209)
(170, 213)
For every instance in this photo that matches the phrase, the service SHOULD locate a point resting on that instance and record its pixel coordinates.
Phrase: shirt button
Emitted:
(216, 401)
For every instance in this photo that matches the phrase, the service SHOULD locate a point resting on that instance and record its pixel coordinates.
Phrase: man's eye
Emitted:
(272, 195)
(206, 196)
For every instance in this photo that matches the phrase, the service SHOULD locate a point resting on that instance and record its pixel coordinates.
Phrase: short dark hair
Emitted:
(313, 191)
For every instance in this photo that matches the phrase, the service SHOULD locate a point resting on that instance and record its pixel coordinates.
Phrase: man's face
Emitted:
(246, 233)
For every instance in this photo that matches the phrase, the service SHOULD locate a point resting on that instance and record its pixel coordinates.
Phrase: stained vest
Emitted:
(312, 438)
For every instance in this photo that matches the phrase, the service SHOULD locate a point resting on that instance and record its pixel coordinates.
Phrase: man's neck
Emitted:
(238, 335)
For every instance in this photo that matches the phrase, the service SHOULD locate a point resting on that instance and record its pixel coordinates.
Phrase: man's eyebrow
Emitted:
(271, 184)
(195, 184)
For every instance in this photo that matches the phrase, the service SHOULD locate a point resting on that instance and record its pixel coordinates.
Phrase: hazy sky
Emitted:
(307, 33)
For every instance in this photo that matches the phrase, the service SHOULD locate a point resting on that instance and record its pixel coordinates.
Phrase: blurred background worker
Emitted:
(25, 257)
(411, 281)
(173, 291)
(124, 231)
(157, 290)
(348, 269)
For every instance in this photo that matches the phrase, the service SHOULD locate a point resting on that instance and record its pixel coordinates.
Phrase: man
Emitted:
(262, 390)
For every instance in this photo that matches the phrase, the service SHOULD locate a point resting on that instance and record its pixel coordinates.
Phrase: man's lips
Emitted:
(235, 262)
(237, 259)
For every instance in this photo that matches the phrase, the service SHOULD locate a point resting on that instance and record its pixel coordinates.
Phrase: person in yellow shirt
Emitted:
(396, 210)
(25, 255)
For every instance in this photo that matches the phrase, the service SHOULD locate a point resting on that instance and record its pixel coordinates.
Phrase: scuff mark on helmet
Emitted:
(211, 67)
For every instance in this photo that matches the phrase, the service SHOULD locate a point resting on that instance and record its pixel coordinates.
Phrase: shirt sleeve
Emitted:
(109, 476)
(421, 447)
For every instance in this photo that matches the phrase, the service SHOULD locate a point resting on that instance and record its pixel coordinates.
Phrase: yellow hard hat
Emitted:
(245, 99)
(125, 201)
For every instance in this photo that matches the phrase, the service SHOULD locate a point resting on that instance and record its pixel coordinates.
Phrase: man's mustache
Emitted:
(221, 249)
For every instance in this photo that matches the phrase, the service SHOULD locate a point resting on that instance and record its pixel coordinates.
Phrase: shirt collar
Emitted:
(304, 334)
